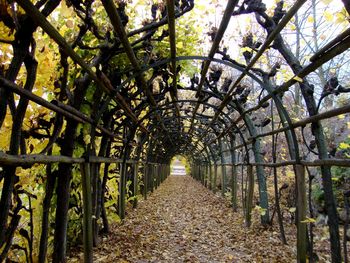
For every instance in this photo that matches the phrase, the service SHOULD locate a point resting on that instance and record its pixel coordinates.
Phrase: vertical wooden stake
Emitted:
(87, 212)
(145, 181)
(202, 173)
(198, 172)
(152, 177)
(207, 175)
(301, 213)
(234, 187)
(159, 174)
(223, 177)
(249, 196)
(223, 168)
(155, 176)
(215, 177)
(234, 176)
(122, 190)
(136, 182)
(210, 178)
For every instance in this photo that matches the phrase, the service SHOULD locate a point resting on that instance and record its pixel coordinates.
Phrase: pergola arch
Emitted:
(291, 138)
(207, 104)
(202, 143)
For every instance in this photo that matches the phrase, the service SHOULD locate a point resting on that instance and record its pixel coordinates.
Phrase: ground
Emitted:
(182, 221)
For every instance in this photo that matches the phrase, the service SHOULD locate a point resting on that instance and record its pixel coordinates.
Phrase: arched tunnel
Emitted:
(98, 97)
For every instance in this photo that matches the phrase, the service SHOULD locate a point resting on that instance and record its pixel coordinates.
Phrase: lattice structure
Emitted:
(110, 114)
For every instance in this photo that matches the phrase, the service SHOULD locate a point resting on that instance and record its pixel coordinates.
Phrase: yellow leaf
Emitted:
(308, 220)
(343, 146)
(180, 45)
(298, 79)
(341, 116)
(327, 2)
(341, 17)
(5, 32)
(328, 16)
(65, 10)
(246, 49)
(292, 209)
(63, 29)
(290, 174)
(310, 19)
(261, 210)
(87, 139)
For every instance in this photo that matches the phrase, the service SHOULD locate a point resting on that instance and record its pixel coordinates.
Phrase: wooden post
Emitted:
(152, 177)
(145, 181)
(223, 169)
(249, 195)
(210, 177)
(202, 173)
(94, 177)
(136, 182)
(197, 172)
(158, 166)
(155, 177)
(223, 179)
(87, 212)
(234, 188)
(215, 177)
(243, 190)
(161, 171)
(159, 174)
(122, 190)
(301, 213)
(233, 177)
(165, 172)
(207, 175)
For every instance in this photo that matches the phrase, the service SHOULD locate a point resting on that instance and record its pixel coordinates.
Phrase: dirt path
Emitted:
(184, 222)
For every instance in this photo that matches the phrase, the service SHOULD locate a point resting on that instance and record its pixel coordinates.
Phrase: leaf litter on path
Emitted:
(182, 221)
